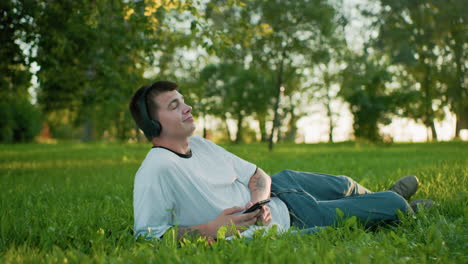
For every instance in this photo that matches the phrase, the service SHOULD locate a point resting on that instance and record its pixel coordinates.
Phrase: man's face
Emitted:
(174, 115)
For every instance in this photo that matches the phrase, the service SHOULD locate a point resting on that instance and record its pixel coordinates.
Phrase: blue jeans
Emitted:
(312, 199)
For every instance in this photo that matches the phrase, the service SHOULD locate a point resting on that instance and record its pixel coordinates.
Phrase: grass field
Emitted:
(72, 203)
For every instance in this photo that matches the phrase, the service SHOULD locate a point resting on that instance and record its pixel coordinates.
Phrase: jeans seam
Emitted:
(288, 191)
(292, 217)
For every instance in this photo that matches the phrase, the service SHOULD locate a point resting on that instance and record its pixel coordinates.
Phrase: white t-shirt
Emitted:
(172, 189)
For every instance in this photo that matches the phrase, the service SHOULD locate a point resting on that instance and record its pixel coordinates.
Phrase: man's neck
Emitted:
(177, 145)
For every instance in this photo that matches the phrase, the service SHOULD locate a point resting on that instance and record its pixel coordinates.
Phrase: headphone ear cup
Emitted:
(157, 128)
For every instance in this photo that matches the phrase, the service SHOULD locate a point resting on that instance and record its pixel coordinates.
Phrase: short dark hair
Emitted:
(152, 92)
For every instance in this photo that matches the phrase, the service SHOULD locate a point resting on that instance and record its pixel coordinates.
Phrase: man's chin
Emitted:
(193, 129)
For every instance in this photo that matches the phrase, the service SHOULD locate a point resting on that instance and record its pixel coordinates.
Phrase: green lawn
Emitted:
(73, 203)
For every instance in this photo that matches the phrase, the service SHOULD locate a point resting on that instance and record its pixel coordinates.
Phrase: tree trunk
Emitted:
(122, 127)
(433, 130)
(88, 128)
(240, 120)
(458, 100)
(328, 106)
(292, 127)
(204, 125)
(279, 82)
(119, 127)
(292, 131)
(228, 132)
(275, 118)
(262, 127)
(429, 113)
(428, 135)
(330, 123)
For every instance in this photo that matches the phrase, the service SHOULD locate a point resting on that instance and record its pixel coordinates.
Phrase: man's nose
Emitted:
(188, 108)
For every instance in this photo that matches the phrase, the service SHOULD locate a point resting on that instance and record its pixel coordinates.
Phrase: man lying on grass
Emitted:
(192, 183)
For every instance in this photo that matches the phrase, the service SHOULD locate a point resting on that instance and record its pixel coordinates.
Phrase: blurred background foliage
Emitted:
(70, 67)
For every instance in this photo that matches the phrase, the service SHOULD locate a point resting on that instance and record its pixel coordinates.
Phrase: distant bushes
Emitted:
(20, 121)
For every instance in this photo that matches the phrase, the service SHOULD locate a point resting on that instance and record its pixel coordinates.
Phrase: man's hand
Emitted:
(228, 217)
(265, 216)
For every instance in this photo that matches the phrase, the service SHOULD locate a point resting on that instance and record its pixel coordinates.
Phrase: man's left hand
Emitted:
(265, 217)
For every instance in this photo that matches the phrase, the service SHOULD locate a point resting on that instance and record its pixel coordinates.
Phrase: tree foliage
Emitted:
(21, 121)
(364, 88)
(275, 36)
(93, 55)
(237, 59)
(236, 92)
(426, 38)
(15, 76)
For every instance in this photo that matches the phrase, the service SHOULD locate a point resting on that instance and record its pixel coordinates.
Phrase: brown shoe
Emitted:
(421, 203)
(406, 186)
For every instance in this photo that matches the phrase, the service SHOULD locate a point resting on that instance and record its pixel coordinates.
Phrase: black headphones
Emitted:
(151, 128)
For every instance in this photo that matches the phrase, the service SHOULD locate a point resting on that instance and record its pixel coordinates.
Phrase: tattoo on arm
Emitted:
(260, 183)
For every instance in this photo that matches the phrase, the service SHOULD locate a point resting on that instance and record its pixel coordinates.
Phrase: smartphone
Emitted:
(256, 206)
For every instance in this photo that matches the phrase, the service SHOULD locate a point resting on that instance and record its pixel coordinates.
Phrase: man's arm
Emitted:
(260, 189)
(259, 186)
(225, 218)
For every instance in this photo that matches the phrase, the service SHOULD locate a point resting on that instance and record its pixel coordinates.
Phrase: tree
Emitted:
(289, 110)
(274, 36)
(86, 59)
(20, 119)
(328, 62)
(230, 89)
(231, 34)
(451, 22)
(326, 95)
(364, 87)
(15, 77)
(410, 32)
(93, 54)
(294, 25)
